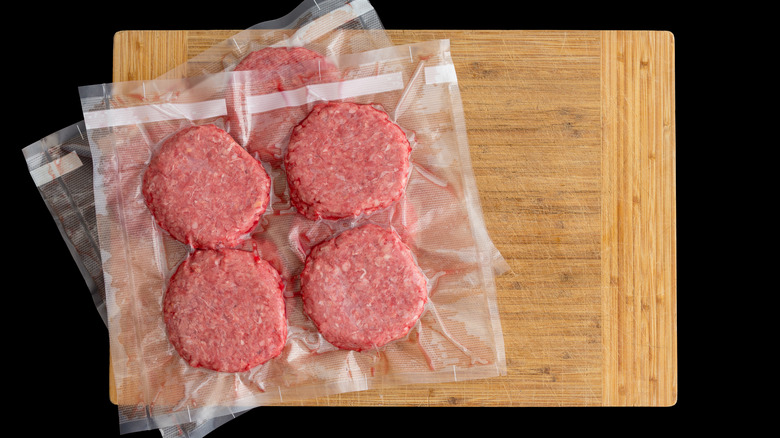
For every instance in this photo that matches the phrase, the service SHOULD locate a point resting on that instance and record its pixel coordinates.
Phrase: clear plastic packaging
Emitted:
(459, 335)
(61, 167)
(61, 163)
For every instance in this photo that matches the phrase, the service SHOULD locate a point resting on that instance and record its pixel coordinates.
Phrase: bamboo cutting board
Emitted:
(572, 137)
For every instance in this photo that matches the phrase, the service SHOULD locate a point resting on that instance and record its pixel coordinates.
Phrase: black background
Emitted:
(57, 354)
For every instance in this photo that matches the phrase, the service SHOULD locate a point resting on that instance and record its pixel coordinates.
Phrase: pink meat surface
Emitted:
(204, 189)
(345, 160)
(224, 310)
(363, 289)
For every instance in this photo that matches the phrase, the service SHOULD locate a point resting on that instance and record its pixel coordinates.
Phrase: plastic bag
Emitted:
(61, 167)
(457, 338)
(199, 98)
(330, 26)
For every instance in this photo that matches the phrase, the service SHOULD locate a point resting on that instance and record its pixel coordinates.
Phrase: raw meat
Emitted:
(204, 189)
(224, 310)
(363, 288)
(345, 160)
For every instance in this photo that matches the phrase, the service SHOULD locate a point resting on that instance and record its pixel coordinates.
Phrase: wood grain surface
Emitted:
(572, 136)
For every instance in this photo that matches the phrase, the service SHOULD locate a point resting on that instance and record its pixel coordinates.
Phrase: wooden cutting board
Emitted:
(572, 137)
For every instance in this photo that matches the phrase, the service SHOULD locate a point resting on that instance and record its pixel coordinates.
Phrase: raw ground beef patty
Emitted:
(224, 310)
(344, 160)
(204, 189)
(363, 289)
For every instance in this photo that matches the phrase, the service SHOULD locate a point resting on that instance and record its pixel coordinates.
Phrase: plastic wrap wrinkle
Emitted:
(457, 337)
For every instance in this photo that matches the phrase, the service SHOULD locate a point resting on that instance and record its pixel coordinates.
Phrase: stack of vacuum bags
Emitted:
(290, 214)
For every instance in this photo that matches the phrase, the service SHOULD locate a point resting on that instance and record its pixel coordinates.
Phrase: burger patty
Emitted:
(224, 310)
(204, 189)
(363, 288)
(346, 160)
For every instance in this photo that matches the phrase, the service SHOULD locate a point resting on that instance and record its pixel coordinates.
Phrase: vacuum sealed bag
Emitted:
(61, 167)
(421, 232)
(65, 179)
